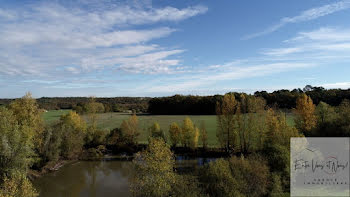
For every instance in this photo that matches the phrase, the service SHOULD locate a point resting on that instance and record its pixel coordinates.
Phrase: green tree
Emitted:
(73, 129)
(276, 187)
(52, 144)
(17, 185)
(252, 174)
(251, 124)
(218, 180)
(325, 113)
(327, 121)
(236, 177)
(16, 148)
(190, 134)
(156, 132)
(28, 115)
(278, 131)
(343, 121)
(130, 129)
(92, 108)
(154, 175)
(277, 144)
(175, 134)
(226, 121)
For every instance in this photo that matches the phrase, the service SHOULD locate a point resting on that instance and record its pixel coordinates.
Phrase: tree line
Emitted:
(113, 104)
(190, 105)
(206, 105)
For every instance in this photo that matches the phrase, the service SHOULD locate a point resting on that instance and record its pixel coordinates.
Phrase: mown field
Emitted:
(112, 120)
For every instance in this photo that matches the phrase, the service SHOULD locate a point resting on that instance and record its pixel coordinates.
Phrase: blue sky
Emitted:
(158, 48)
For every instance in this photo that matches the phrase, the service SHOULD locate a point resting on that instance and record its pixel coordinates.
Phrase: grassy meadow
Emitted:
(52, 116)
(112, 120)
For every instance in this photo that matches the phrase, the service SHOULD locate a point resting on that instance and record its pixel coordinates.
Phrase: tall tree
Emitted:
(344, 118)
(190, 134)
(226, 121)
(251, 123)
(130, 129)
(28, 115)
(73, 129)
(175, 134)
(325, 113)
(305, 119)
(16, 148)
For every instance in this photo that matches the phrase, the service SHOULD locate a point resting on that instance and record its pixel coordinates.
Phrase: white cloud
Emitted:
(127, 15)
(323, 43)
(324, 34)
(341, 85)
(233, 71)
(282, 51)
(307, 15)
(41, 38)
(324, 46)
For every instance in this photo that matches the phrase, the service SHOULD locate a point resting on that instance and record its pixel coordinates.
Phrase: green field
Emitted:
(53, 115)
(113, 120)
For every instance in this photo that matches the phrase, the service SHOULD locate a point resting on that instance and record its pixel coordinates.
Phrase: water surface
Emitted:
(87, 178)
(100, 178)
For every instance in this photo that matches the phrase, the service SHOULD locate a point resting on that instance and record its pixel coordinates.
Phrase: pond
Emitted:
(87, 178)
(98, 178)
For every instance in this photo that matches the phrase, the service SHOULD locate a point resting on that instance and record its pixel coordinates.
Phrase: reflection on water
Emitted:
(185, 164)
(87, 178)
(100, 178)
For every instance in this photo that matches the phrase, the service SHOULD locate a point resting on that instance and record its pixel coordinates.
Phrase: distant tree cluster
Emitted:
(179, 104)
(283, 99)
(287, 99)
(115, 104)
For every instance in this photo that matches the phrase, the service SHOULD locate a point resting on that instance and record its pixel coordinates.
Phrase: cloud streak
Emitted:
(307, 15)
(324, 42)
(324, 46)
(48, 38)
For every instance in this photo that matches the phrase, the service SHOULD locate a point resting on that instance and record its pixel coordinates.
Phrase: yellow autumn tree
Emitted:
(190, 134)
(73, 130)
(305, 119)
(226, 121)
(195, 138)
(251, 123)
(130, 129)
(156, 132)
(277, 129)
(17, 185)
(175, 134)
